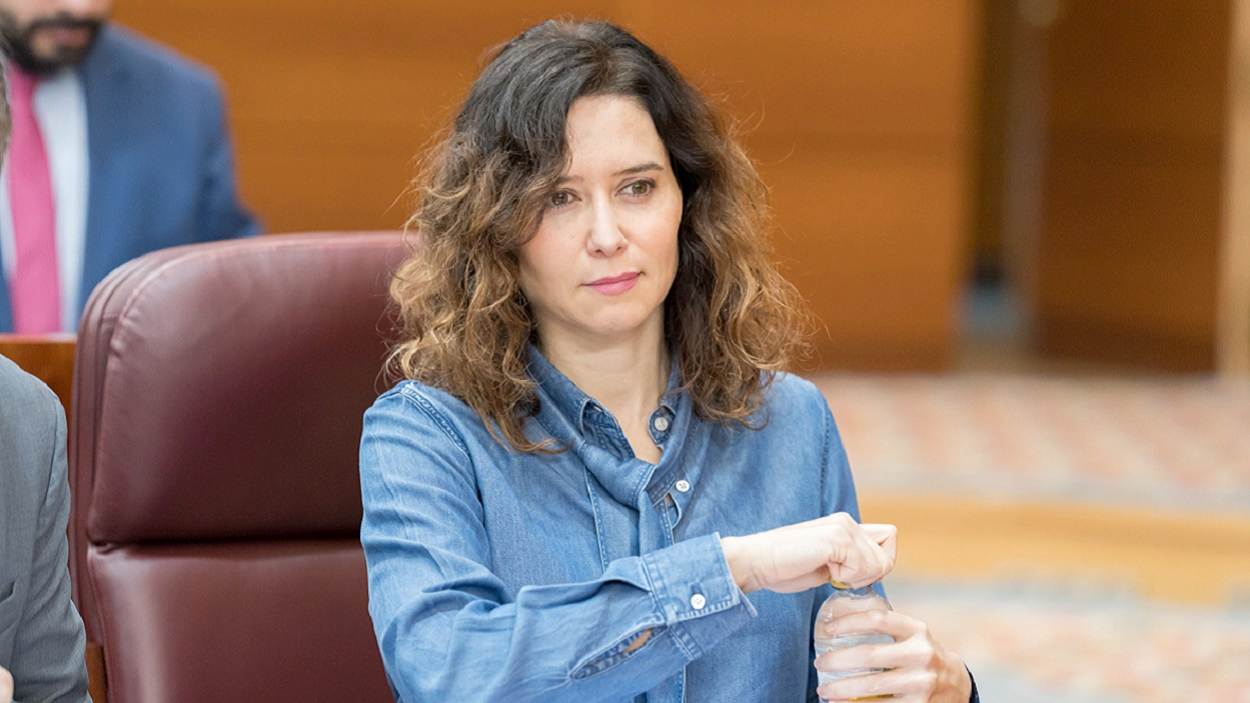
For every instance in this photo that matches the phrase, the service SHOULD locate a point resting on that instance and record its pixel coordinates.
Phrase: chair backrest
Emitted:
(218, 398)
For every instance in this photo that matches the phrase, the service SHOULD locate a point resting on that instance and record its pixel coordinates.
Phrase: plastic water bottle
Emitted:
(844, 601)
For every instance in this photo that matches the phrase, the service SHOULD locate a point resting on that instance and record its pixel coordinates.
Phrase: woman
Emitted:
(594, 484)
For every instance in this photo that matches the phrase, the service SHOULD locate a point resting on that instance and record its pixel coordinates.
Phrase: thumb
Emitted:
(850, 573)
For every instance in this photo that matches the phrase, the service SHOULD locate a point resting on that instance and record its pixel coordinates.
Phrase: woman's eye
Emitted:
(640, 188)
(560, 198)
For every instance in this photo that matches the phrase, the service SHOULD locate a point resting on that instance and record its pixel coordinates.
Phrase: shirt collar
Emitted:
(565, 411)
(573, 404)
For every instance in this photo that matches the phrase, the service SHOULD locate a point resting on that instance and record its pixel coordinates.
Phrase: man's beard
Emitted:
(18, 42)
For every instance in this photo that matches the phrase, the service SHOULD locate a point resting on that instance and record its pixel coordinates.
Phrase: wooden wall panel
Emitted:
(1234, 317)
(331, 101)
(1128, 257)
(49, 358)
(859, 114)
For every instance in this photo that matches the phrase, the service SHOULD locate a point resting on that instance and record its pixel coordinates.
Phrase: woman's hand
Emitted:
(921, 670)
(6, 686)
(808, 554)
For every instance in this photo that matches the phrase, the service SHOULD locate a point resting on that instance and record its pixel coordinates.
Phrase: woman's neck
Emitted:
(627, 375)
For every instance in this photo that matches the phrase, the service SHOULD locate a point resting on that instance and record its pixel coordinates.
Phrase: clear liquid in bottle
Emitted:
(843, 602)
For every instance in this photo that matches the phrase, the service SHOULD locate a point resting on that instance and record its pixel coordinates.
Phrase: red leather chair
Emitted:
(218, 398)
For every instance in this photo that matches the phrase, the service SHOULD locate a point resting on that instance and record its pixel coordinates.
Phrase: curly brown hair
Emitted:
(730, 318)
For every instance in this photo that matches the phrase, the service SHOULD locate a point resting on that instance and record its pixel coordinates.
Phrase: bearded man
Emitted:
(119, 148)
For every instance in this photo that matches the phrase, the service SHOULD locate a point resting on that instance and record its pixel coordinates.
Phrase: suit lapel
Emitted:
(105, 82)
(6, 310)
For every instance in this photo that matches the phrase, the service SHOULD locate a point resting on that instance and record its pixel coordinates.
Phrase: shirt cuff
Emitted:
(974, 698)
(691, 581)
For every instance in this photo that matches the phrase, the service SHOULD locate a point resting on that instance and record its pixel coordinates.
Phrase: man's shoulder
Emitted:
(151, 61)
(19, 390)
(28, 412)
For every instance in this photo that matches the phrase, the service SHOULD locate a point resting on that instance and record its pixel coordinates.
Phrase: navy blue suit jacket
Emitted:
(160, 162)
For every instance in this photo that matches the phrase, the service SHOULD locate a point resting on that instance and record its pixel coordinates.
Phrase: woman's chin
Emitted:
(614, 332)
(616, 327)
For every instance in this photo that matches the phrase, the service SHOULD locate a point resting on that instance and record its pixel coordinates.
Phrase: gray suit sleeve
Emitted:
(49, 662)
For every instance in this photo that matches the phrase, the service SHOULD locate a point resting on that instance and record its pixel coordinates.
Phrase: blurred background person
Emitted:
(119, 147)
(41, 634)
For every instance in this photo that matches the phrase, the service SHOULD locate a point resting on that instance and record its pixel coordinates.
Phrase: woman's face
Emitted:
(605, 254)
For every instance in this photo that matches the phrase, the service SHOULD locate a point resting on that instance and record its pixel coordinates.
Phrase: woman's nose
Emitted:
(605, 232)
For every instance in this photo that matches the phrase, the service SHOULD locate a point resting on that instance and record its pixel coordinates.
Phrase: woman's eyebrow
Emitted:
(648, 166)
(640, 168)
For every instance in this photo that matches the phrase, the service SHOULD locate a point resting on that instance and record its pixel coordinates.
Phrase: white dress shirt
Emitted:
(61, 110)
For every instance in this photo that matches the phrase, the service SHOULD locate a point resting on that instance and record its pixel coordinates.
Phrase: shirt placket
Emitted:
(665, 514)
(655, 524)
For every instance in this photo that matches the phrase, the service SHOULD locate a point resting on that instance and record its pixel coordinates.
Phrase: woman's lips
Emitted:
(615, 285)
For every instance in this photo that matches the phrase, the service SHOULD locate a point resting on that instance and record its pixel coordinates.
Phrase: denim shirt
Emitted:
(590, 575)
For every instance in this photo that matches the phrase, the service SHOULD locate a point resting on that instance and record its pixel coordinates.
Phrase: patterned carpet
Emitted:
(1035, 644)
(1157, 443)
(1179, 445)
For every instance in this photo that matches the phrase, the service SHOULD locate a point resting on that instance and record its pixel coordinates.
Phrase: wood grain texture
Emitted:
(97, 673)
(50, 358)
(1135, 132)
(1179, 557)
(1234, 315)
(858, 113)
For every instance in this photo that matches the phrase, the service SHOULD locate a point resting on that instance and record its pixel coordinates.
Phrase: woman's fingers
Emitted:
(889, 622)
(862, 554)
(898, 683)
(801, 556)
(878, 542)
(886, 536)
(880, 562)
(863, 656)
(903, 654)
(919, 668)
(853, 570)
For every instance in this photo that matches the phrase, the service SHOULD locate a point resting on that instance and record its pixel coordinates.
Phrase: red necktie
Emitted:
(35, 290)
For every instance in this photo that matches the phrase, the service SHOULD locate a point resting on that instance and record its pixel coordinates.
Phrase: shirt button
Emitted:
(682, 486)
(697, 601)
(661, 424)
